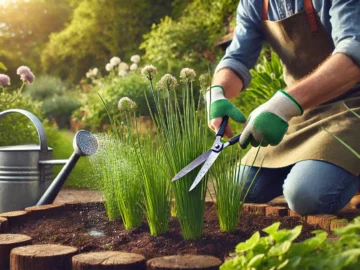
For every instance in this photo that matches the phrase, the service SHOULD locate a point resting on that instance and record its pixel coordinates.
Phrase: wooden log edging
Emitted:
(4, 225)
(7, 243)
(110, 260)
(48, 210)
(15, 217)
(188, 262)
(55, 257)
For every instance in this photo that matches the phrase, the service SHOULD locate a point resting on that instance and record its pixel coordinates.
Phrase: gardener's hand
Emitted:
(268, 123)
(218, 106)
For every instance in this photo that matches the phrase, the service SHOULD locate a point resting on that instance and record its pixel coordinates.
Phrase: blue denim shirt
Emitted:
(341, 18)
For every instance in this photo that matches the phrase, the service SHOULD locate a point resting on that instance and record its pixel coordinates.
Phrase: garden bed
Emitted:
(86, 226)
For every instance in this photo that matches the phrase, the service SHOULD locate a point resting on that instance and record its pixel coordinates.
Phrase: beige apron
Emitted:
(302, 43)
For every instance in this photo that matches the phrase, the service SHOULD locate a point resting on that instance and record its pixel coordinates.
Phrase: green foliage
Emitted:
(58, 102)
(100, 29)
(278, 250)
(111, 89)
(171, 44)
(45, 87)
(229, 187)
(15, 128)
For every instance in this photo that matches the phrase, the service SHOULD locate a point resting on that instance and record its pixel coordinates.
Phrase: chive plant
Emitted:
(182, 137)
(120, 173)
(155, 175)
(229, 187)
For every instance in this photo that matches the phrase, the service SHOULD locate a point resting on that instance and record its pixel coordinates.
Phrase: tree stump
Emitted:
(47, 210)
(111, 260)
(7, 243)
(54, 257)
(4, 225)
(15, 217)
(188, 262)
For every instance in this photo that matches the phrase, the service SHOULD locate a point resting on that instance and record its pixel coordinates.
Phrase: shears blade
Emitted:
(195, 163)
(205, 168)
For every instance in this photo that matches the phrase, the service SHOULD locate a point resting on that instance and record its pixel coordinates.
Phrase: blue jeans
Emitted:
(309, 187)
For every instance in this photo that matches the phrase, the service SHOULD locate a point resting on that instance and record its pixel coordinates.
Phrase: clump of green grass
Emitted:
(181, 136)
(229, 185)
(155, 176)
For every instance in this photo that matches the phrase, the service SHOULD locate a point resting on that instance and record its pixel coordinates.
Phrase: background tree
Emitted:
(25, 27)
(101, 29)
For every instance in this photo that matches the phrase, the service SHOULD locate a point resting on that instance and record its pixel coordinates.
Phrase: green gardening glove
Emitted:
(218, 106)
(268, 123)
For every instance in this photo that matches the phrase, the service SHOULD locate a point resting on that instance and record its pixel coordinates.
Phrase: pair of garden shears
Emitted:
(209, 156)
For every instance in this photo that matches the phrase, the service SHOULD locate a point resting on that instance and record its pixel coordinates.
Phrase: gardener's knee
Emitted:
(314, 187)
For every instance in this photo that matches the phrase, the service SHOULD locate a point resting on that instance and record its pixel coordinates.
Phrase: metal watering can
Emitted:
(26, 170)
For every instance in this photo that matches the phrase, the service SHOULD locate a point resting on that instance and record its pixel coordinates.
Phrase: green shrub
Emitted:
(45, 87)
(278, 250)
(15, 128)
(111, 89)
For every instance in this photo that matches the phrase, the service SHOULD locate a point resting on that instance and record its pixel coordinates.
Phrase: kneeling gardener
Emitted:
(319, 45)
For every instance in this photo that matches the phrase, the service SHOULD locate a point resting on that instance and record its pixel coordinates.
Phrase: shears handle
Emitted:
(221, 130)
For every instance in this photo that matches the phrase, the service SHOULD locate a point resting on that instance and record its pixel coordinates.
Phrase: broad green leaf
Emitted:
(279, 249)
(345, 258)
(317, 240)
(256, 260)
(349, 229)
(287, 235)
(272, 228)
(248, 244)
(238, 263)
(294, 262)
(263, 245)
(283, 264)
(3, 67)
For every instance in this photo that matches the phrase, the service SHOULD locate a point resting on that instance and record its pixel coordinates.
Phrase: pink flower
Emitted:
(22, 70)
(4, 80)
(25, 74)
(27, 77)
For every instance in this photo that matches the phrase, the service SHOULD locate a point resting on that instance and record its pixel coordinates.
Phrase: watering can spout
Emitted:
(85, 144)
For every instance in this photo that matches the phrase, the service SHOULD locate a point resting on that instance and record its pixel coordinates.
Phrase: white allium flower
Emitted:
(122, 73)
(123, 66)
(149, 72)
(133, 67)
(95, 71)
(187, 75)
(4, 80)
(168, 82)
(89, 74)
(109, 67)
(115, 61)
(125, 104)
(135, 59)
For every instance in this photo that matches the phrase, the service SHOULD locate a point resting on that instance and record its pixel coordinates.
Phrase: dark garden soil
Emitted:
(87, 228)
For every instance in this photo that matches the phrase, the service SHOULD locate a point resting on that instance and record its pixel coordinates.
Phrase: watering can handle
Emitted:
(39, 127)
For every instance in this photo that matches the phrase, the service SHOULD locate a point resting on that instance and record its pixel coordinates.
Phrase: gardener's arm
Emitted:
(232, 73)
(341, 71)
(334, 77)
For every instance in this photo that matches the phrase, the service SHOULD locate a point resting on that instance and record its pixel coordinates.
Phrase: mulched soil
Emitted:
(73, 228)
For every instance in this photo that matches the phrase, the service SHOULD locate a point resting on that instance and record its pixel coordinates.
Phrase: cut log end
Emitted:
(107, 260)
(42, 257)
(4, 225)
(180, 262)
(45, 210)
(7, 243)
(15, 217)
